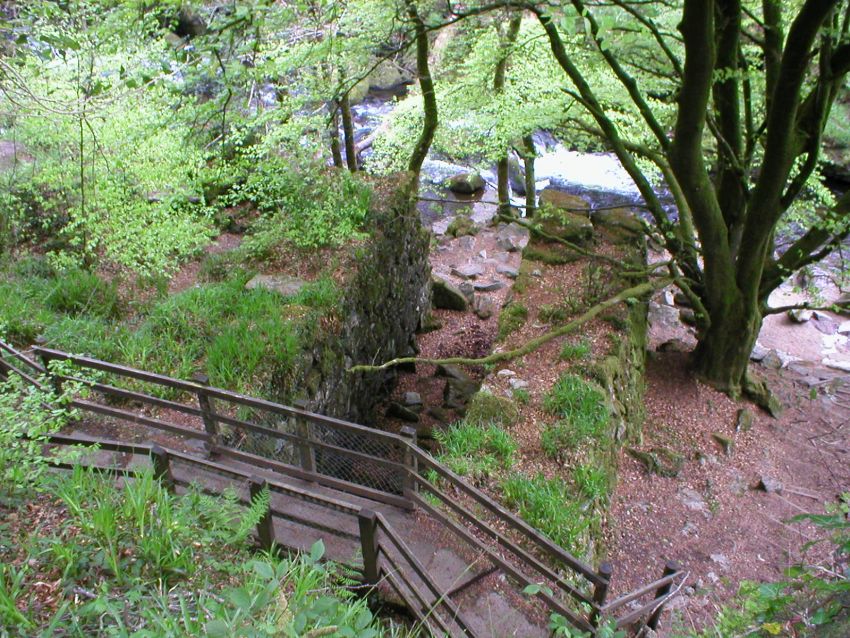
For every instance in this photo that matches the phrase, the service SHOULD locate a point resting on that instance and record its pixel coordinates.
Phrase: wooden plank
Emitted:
(108, 445)
(419, 568)
(505, 543)
(552, 603)
(132, 417)
(517, 524)
(422, 607)
(217, 393)
(5, 365)
(321, 479)
(637, 593)
(22, 358)
(637, 614)
(111, 390)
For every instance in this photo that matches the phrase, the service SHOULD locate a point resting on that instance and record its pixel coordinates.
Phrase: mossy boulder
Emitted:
(620, 218)
(466, 183)
(462, 225)
(560, 200)
(564, 225)
(486, 408)
(446, 295)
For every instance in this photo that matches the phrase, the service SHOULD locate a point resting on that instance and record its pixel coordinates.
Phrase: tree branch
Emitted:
(635, 292)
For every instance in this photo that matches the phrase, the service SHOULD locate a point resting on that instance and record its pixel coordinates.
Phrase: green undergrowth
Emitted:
(125, 556)
(476, 451)
(582, 412)
(137, 560)
(242, 339)
(549, 505)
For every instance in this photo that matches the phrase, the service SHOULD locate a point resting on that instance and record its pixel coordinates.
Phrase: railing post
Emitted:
(409, 484)
(368, 521)
(55, 381)
(207, 413)
(600, 591)
(162, 467)
(265, 527)
(670, 568)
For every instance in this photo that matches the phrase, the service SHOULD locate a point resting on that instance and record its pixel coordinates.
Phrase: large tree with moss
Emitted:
(723, 103)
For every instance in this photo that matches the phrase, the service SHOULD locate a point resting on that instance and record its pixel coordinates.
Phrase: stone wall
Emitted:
(383, 303)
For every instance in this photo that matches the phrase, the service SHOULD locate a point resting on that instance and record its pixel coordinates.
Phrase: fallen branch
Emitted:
(634, 292)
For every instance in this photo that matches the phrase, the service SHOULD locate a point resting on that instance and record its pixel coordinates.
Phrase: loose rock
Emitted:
(447, 296)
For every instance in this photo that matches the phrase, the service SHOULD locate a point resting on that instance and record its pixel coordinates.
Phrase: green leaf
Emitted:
(240, 598)
(317, 551)
(263, 569)
(217, 628)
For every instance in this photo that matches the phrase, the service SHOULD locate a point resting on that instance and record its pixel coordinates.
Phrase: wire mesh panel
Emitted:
(359, 457)
(277, 447)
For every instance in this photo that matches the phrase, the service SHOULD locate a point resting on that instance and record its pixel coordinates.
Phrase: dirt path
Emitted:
(712, 518)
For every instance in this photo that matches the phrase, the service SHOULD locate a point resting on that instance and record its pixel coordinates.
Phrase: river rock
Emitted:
(281, 284)
(447, 296)
(469, 271)
(456, 393)
(799, 315)
(513, 273)
(512, 237)
(488, 286)
(562, 201)
(843, 328)
(772, 360)
(398, 411)
(466, 183)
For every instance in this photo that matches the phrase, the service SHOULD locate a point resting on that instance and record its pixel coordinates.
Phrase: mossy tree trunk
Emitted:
(508, 39)
(429, 96)
(348, 132)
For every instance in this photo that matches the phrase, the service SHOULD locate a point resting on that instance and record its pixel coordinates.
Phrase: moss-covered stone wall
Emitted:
(382, 304)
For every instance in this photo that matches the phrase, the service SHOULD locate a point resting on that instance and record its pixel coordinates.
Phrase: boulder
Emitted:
(560, 200)
(461, 225)
(466, 183)
(398, 411)
(451, 372)
(467, 290)
(488, 286)
(457, 393)
(620, 218)
(513, 273)
(388, 76)
(447, 296)
(799, 315)
(564, 225)
(281, 284)
(484, 307)
(468, 271)
(512, 237)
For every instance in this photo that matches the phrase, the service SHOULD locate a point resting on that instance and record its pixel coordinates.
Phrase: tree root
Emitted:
(634, 292)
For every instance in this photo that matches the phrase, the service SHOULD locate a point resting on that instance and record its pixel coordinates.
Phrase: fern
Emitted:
(253, 515)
